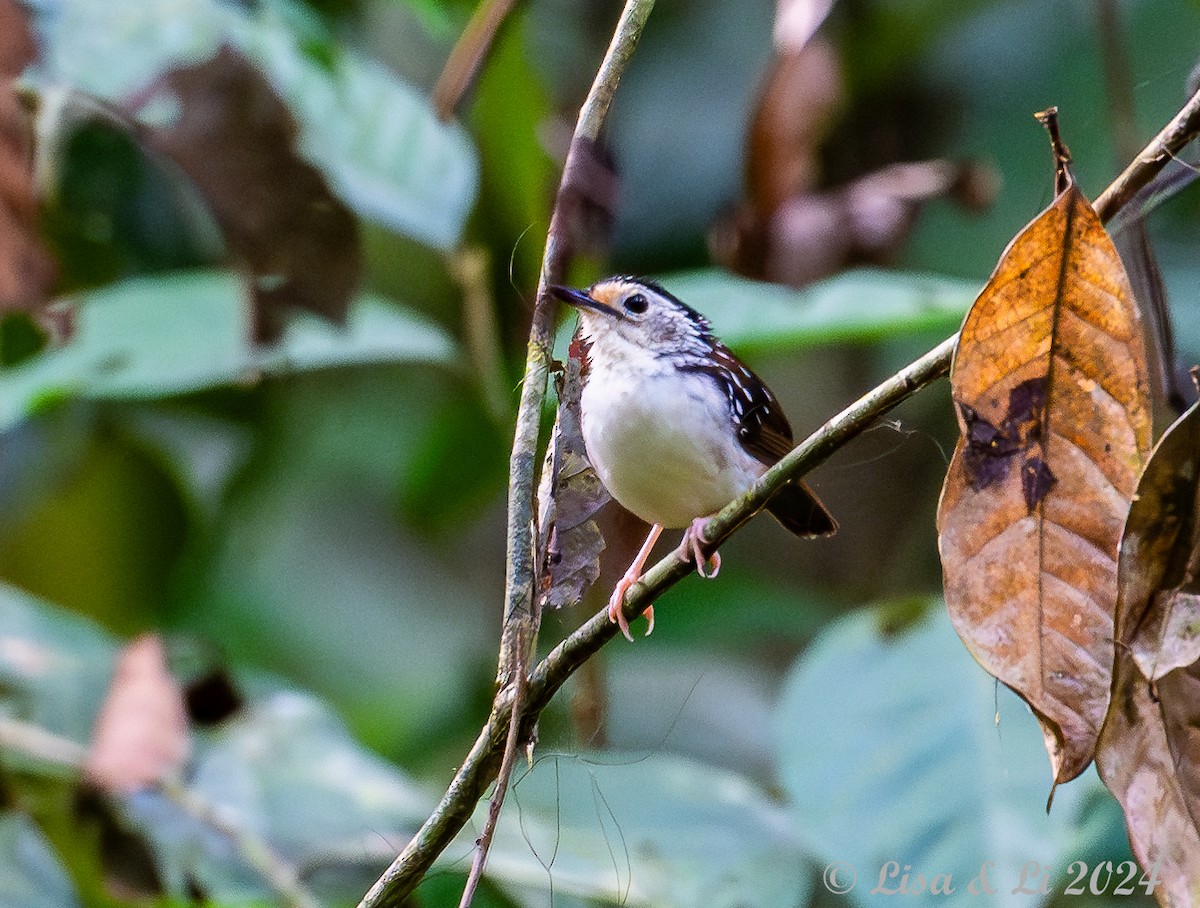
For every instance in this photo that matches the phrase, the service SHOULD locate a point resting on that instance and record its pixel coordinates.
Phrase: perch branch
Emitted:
(480, 765)
(1184, 127)
(565, 658)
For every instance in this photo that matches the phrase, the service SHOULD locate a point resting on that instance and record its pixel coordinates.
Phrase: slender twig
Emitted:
(1184, 127)
(53, 752)
(1118, 79)
(483, 845)
(43, 747)
(468, 55)
(276, 871)
(521, 614)
(519, 580)
(479, 767)
(521, 618)
(470, 268)
(565, 658)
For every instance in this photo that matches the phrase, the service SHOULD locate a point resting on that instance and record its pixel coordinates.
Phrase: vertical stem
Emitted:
(521, 619)
(1134, 245)
(1118, 80)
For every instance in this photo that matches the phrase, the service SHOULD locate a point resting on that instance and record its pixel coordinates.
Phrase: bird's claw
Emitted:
(692, 549)
(616, 609)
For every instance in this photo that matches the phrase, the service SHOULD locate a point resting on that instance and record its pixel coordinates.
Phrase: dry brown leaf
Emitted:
(1171, 637)
(17, 48)
(235, 139)
(141, 734)
(810, 235)
(26, 269)
(1050, 385)
(569, 496)
(1149, 756)
(800, 97)
(1158, 617)
(1178, 694)
(1160, 526)
(789, 231)
(587, 197)
(1149, 752)
(801, 94)
(796, 21)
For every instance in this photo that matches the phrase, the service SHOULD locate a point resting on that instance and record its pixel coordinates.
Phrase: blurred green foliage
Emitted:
(325, 515)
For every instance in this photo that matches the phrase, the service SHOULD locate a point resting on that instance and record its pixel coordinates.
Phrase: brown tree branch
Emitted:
(468, 55)
(1184, 127)
(478, 769)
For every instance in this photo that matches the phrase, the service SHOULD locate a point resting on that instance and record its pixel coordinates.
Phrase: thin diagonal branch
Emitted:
(480, 765)
(1184, 127)
(560, 663)
(565, 658)
(56, 754)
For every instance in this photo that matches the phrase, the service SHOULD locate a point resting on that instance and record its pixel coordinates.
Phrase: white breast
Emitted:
(662, 441)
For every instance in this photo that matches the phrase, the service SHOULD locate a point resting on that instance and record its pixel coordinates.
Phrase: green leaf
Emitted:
(652, 830)
(375, 138)
(376, 331)
(113, 49)
(159, 336)
(896, 746)
(20, 338)
(853, 307)
(54, 666)
(289, 765)
(202, 454)
(30, 873)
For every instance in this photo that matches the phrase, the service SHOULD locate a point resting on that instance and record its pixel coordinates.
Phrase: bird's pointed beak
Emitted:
(581, 299)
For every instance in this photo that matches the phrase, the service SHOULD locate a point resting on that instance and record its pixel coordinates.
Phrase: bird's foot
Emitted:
(692, 549)
(616, 610)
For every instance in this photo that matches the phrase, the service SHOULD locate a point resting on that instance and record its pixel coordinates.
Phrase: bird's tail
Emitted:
(798, 508)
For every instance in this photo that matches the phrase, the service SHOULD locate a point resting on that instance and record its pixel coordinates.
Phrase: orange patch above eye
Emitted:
(607, 293)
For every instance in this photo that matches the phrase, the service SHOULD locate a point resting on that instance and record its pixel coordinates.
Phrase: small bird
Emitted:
(674, 424)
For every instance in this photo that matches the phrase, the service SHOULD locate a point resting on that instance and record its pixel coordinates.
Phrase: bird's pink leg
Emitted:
(691, 549)
(615, 613)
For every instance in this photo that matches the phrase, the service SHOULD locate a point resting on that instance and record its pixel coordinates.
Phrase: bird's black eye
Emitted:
(637, 304)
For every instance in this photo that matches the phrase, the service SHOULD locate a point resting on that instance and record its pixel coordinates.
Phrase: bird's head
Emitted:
(620, 311)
